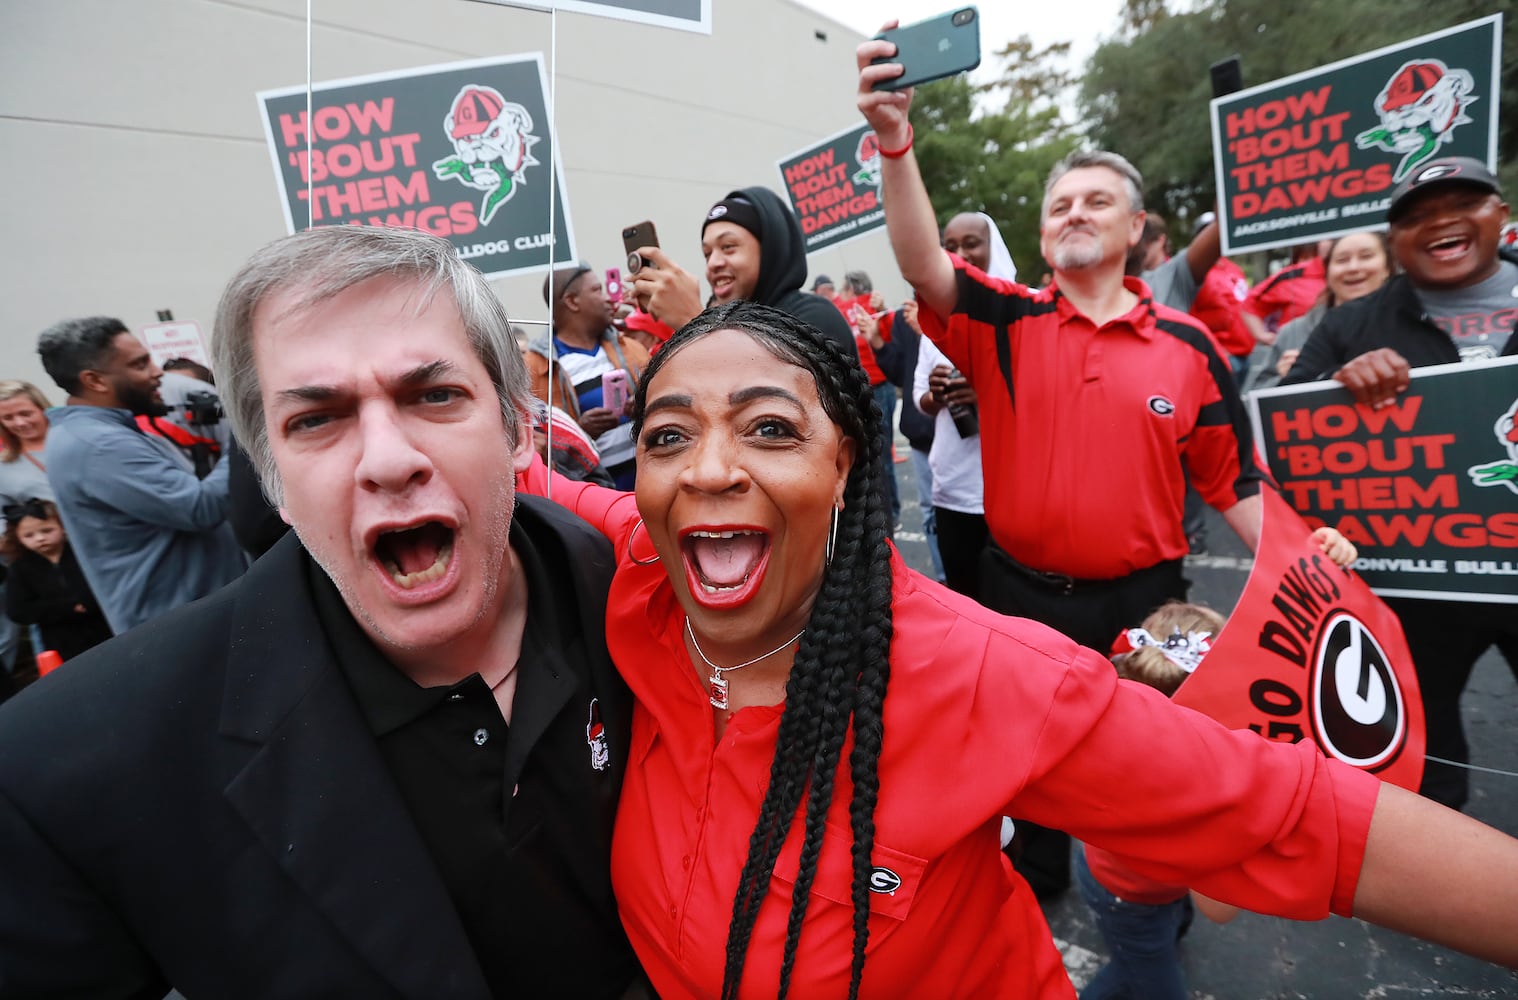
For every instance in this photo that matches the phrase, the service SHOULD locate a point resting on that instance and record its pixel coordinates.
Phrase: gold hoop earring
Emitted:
(633, 534)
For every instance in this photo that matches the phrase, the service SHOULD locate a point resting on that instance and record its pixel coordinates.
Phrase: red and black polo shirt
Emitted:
(1085, 429)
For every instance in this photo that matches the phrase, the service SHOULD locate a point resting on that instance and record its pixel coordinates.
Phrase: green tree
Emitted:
(1145, 91)
(987, 148)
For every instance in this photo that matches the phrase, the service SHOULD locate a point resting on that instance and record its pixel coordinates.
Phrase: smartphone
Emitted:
(933, 49)
(1227, 77)
(613, 286)
(633, 237)
(614, 389)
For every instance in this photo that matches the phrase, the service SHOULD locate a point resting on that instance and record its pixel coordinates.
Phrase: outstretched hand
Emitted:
(868, 326)
(885, 110)
(1335, 546)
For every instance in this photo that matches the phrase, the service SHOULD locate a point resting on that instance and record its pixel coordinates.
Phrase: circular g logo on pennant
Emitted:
(1160, 406)
(1357, 710)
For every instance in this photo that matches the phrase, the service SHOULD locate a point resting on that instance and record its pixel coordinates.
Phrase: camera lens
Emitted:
(964, 17)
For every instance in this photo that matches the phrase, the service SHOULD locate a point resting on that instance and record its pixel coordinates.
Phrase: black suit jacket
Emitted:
(199, 804)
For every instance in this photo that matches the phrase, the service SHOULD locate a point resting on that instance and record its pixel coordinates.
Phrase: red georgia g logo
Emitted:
(1357, 711)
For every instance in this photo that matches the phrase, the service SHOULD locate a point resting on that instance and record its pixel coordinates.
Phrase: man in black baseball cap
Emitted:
(1453, 302)
(1451, 171)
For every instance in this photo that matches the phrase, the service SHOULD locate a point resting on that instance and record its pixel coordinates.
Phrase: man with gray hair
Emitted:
(363, 769)
(148, 533)
(1089, 389)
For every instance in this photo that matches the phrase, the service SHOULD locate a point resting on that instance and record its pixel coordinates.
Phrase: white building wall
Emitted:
(139, 177)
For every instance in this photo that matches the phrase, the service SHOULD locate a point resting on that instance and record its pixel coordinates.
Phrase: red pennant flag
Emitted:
(1311, 653)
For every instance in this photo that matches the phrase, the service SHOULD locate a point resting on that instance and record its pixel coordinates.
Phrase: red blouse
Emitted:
(985, 716)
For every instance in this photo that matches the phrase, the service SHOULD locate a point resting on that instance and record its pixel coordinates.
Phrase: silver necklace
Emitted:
(718, 696)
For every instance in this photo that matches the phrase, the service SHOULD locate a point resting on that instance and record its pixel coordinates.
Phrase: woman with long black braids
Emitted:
(824, 741)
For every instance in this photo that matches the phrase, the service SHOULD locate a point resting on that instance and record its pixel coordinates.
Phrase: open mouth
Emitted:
(722, 564)
(1449, 247)
(415, 556)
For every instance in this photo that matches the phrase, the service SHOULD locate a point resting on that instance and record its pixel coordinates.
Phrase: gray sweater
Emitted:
(148, 534)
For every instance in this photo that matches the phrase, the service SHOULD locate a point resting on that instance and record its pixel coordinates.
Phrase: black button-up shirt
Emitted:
(501, 808)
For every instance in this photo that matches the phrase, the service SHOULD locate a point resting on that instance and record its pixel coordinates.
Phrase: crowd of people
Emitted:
(127, 489)
(589, 668)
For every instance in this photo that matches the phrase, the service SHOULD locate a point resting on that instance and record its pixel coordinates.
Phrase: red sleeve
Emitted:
(984, 308)
(611, 512)
(1181, 800)
(1259, 301)
(1220, 453)
(1219, 307)
(1275, 294)
(1024, 722)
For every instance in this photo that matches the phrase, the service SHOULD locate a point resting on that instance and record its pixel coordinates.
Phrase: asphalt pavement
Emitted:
(1268, 958)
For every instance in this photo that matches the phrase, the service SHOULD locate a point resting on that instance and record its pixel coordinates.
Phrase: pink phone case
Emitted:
(614, 390)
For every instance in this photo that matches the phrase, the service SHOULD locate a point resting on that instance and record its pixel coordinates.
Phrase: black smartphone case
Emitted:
(933, 49)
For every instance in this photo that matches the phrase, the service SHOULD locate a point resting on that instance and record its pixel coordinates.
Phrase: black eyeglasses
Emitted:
(31, 508)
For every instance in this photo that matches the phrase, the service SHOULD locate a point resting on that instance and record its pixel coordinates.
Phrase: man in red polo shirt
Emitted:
(1089, 389)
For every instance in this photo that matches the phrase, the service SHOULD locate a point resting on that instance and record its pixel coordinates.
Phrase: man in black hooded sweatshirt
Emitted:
(754, 250)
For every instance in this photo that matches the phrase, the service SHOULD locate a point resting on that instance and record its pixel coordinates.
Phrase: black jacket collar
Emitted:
(315, 791)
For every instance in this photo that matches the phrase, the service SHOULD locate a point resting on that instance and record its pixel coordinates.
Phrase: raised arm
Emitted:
(1204, 251)
(611, 512)
(910, 221)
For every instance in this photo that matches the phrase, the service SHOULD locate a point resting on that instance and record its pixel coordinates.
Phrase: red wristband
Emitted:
(894, 154)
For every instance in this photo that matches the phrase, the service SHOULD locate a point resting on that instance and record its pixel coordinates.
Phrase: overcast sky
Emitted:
(1082, 22)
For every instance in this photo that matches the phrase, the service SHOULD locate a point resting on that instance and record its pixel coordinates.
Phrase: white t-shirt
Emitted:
(955, 461)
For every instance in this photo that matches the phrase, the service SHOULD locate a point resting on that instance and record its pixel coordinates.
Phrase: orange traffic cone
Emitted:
(47, 661)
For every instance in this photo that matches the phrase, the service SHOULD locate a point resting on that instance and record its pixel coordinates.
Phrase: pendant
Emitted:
(718, 697)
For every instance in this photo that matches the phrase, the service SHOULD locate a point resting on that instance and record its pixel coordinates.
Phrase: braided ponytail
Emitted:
(839, 676)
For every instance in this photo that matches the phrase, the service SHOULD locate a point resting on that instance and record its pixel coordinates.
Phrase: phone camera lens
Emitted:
(964, 17)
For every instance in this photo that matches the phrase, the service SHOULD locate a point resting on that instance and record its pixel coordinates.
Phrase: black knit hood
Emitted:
(782, 268)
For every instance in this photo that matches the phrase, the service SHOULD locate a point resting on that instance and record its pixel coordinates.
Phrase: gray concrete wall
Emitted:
(139, 177)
